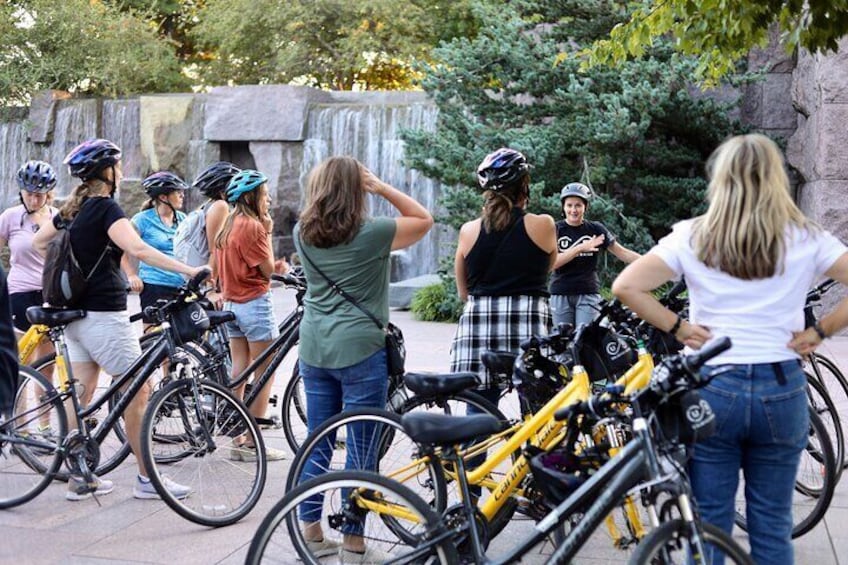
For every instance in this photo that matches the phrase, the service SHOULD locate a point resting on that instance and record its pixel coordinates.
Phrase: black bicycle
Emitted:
(192, 428)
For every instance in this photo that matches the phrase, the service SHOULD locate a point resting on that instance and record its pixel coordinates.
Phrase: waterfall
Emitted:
(121, 126)
(76, 121)
(12, 155)
(371, 134)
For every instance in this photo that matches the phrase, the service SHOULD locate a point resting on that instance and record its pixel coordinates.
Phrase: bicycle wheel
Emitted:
(814, 483)
(671, 543)
(458, 405)
(372, 440)
(822, 404)
(827, 373)
(293, 411)
(335, 500)
(204, 419)
(31, 439)
(115, 448)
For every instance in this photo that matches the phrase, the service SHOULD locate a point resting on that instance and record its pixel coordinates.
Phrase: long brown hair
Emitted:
(497, 208)
(335, 203)
(743, 232)
(246, 205)
(72, 205)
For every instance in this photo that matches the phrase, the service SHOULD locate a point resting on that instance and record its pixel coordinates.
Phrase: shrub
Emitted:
(437, 302)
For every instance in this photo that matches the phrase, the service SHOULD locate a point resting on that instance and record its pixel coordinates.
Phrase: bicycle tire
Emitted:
(282, 521)
(505, 513)
(653, 547)
(807, 515)
(293, 411)
(210, 423)
(823, 404)
(114, 450)
(385, 448)
(29, 457)
(836, 384)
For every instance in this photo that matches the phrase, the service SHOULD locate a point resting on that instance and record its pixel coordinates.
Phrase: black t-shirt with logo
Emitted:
(106, 290)
(580, 275)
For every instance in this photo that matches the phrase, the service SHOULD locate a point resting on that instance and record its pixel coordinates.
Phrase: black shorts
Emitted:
(153, 292)
(20, 301)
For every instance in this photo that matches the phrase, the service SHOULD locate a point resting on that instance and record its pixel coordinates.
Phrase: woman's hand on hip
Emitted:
(805, 342)
(693, 335)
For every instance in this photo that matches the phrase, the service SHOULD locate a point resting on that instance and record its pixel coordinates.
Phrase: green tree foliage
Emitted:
(83, 46)
(638, 134)
(720, 32)
(337, 44)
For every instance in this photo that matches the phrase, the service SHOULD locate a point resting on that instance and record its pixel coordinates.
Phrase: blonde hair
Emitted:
(246, 205)
(743, 232)
(497, 208)
(72, 205)
(335, 203)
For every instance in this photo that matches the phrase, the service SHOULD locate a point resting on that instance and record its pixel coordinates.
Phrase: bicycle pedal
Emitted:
(273, 400)
(272, 423)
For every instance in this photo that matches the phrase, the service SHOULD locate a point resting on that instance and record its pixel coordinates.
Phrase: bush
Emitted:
(437, 302)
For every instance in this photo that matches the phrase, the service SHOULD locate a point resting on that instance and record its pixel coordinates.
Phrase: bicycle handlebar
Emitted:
(815, 293)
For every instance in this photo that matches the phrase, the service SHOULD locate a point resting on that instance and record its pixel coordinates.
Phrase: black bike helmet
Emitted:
(213, 180)
(501, 168)
(36, 176)
(86, 160)
(577, 189)
(163, 182)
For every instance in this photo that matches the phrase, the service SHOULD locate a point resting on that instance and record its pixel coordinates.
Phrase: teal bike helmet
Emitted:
(244, 181)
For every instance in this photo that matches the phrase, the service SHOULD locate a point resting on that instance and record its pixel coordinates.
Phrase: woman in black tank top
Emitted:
(502, 263)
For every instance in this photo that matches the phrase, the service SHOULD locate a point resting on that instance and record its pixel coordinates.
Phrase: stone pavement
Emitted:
(123, 530)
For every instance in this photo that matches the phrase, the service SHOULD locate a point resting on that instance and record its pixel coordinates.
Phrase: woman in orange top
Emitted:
(245, 264)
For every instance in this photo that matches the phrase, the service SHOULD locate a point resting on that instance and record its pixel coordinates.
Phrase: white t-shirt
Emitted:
(758, 316)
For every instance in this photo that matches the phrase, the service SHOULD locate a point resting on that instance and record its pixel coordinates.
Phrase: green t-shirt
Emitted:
(334, 333)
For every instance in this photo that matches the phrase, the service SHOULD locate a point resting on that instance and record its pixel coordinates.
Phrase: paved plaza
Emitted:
(50, 529)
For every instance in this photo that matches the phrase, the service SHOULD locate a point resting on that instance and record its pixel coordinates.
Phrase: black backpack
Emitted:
(63, 281)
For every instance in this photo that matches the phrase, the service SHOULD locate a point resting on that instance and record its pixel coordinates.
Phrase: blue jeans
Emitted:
(575, 309)
(762, 427)
(328, 392)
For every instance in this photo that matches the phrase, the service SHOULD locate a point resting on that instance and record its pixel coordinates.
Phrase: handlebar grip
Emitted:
(675, 290)
(695, 361)
(569, 411)
(195, 281)
(136, 317)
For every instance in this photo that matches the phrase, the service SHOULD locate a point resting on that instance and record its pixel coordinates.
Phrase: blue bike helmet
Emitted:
(577, 189)
(502, 168)
(214, 180)
(163, 182)
(244, 181)
(36, 176)
(86, 160)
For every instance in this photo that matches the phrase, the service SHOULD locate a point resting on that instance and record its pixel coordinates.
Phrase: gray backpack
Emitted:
(190, 244)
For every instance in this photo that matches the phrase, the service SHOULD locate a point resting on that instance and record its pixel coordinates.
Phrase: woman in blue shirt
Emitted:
(156, 224)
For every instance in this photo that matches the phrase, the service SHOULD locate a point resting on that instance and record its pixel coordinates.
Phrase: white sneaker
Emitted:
(145, 490)
(78, 489)
(248, 454)
(323, 548)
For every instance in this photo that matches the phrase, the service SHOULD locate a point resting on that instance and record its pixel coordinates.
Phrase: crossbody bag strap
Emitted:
(67, 226)
(340, 290)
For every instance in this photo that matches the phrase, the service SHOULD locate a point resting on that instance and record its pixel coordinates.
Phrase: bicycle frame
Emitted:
(279, 348)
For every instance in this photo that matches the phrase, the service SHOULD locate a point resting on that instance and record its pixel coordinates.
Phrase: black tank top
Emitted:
(512, 268)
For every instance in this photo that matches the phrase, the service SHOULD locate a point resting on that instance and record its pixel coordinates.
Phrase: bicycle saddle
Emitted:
(440, 384)
(52, 317)
(440, 429)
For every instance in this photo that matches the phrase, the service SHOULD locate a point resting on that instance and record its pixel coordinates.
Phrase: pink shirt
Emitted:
(18, 230)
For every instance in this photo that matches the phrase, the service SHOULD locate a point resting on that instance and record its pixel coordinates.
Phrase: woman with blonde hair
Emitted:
(342, 351)
(748, 263)
(245, 259)
(100, 234)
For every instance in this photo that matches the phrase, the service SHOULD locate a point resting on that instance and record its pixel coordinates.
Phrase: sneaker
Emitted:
(78, 489)
(323, 548)
(247, 453)
(371, 556)
(145, 490)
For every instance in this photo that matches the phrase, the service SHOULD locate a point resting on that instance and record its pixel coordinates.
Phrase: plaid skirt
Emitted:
(496, 323)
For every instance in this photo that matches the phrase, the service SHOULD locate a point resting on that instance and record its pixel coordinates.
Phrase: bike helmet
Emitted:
(501, 168)
(90, 157)
(36, 176)
(577, 189)
(244, 181)
(162, 182)
(215, 178)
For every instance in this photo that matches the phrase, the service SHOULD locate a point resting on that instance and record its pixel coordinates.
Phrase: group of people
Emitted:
(747, 261)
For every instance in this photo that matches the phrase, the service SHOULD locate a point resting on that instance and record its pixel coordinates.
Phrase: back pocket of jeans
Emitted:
(787, 416)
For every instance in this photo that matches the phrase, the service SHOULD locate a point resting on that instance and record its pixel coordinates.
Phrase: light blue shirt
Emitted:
(160, 237)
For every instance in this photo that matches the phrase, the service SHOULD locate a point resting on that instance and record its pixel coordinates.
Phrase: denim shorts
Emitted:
(254, 319)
